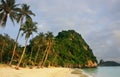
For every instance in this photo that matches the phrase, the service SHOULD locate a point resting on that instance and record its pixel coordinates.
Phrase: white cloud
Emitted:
(43, 27)
(97, 20)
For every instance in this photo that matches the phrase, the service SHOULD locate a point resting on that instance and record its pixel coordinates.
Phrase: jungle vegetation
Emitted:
(67, 49)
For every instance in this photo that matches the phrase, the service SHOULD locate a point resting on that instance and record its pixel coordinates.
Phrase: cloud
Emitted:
(105, 42)
(97, 20)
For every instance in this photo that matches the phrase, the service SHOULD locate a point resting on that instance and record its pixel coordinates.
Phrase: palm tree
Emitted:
(49, 39)
(8, 8)
(24, 14)
(28, 28)
(40, 40)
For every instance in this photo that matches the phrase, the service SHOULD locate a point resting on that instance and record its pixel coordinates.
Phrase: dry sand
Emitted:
(6, 71)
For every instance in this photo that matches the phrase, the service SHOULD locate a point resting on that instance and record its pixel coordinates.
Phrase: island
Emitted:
(108, 63)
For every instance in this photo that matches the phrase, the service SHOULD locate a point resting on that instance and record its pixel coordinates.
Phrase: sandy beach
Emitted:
(6, 71)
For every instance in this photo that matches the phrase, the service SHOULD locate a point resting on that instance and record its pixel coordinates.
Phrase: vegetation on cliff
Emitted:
(67, 49)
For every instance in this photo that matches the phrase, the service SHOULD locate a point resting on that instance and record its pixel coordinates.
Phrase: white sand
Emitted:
(41, 72)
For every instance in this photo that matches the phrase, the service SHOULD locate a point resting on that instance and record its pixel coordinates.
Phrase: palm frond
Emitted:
(12, 16)
(8, 7)
(18, 17)
(4, 21)
(31, 13)
(28, 28)
(3, 2)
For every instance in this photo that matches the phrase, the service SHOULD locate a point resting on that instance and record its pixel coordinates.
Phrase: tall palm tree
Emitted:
(49, 39)
(24, 14)
(28, 28)
(8, 8)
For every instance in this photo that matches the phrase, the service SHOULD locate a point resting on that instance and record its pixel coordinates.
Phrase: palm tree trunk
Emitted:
(36, 56)
(22, 54)
(2, 52)
(14, 48)
(16, 43)
(45, 57)
(47, 53)
(41, 62)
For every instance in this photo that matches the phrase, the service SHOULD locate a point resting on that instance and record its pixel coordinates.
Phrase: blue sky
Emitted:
(98, 21)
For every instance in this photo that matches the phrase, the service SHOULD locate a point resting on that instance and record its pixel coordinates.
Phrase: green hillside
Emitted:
(73, 50)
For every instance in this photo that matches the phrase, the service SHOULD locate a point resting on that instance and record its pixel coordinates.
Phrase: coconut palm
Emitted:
(27, 28)
(8, 8)
(24, 14)
(40, 40)
(49, 45)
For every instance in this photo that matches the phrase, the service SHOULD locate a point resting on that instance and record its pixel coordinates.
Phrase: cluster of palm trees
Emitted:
(22, 15)
(41, 47)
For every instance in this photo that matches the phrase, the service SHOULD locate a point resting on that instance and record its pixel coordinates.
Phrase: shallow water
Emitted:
(104, 71)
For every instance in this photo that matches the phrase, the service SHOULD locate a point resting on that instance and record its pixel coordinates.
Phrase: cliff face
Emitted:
(91, 64)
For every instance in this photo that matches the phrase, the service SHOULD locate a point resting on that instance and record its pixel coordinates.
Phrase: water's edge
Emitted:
(103, 71)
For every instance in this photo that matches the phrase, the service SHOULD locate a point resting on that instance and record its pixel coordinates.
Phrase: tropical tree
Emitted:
(8, 8)
(49, 46)
(6, 44)
(24, 14)
(28, 28)
(39, 42)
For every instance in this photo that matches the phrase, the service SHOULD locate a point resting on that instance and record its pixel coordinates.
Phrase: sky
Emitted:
(98, 21)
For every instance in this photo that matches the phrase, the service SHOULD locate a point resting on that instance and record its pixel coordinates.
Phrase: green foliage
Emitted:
(67, 49)
(8, 8)
(73, 49)
(6, 45)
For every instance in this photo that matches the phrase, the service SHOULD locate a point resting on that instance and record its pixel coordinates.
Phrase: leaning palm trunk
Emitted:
(37, 55)
(22, 54)
(47, 53)
(14, 49)
(45, 57)
(41, 62)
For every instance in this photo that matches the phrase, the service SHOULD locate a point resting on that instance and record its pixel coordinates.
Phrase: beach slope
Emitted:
(6, 71)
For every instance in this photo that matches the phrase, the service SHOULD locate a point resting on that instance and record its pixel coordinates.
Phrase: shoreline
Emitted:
(6, 71)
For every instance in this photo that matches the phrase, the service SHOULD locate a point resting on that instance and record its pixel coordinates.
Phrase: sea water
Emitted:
(104, 71)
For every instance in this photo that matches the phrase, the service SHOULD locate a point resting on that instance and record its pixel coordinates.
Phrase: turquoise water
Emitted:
(104, 71)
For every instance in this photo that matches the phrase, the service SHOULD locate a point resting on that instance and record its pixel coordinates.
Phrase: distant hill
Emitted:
(109, 63)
